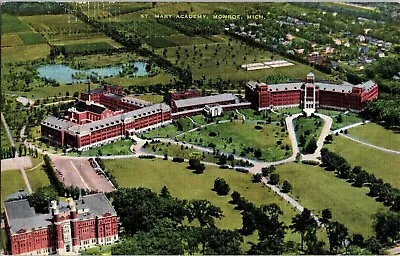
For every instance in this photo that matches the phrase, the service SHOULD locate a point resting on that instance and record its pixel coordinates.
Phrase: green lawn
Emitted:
(290, 111)
(37, 178)
(5, 142)
(377, 135)
(155, 98)
(252, 114)
(121, 147)
(383, 165)
(234, 137)
(309, 127)
(167, 131)
(347, 119)
(11, 24)
(11, 182)
(174, 150)
(182, 183)
(318, 189)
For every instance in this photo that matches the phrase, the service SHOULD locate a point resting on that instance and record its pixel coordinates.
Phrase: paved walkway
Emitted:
(10, 138)
(349, 126)
(391, 151)
(243, 116)
(26, 180)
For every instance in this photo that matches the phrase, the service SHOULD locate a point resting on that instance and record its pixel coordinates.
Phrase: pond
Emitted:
(65, 74)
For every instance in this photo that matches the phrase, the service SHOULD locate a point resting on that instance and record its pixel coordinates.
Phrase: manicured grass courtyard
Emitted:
(383, 165)
(243, 139)
(11, 182)
(377, 135)
(307, 128)
(345, 120)
(184, 184)
(251, 114)
(318, 189)
(121, 147)
(37, 178)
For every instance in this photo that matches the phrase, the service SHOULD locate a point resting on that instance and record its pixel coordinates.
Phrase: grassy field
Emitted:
(24, 53)
(161, 78)
(155, 98)
(31, 38)
(12, 24)
(290, 111)
(347, 119)
(383, 165)
(182, 183)
(174, 150)
(37, 178)
(222, 60)
(377, 135)
(270, 139)
(10, 40)
(251, 114)
(11, 182)
(318, 189)
(5, 142)
(120, 147)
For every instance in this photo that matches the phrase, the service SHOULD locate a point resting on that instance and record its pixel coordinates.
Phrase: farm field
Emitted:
(11, 182)
(376, 135)
(223, 60)
(12, 24)
(383, 165)
(318, 189)
(243, 139)
(182, 183)
(31, 38)
(24, 53)
(10, 40)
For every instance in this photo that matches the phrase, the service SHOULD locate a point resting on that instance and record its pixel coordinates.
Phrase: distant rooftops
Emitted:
(21, 216)
(205, 100)
(136, 102)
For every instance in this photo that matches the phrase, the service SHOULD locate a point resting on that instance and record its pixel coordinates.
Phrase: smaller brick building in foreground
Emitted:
(68, 228)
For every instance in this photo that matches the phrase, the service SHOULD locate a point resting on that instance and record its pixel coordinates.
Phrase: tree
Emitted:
(222, 159)
(204, 212)
(387, 226)
(257, 153)
(311, 146)
(266, 171)
(274, 179)
(286, 187)
(302, 223)
(249, 223)
(314, 246)
(257, 178)
(326, 216)
(337, 234)
(41, 198)
(235, 197)
(165, 192)
(329, 139)
(221, 187)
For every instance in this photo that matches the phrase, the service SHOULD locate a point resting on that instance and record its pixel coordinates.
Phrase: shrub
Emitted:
(212, 134)
(178, 160)
(221, 187)
(258, 127)
(241, 170)
(147, 156)
(310, 162)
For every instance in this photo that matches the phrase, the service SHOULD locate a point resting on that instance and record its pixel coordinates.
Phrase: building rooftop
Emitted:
(205, 100)
(284, 87)
(57, 123)
(90, 106)
(135, 114)
(21, 216)
(136, 102)
(113, 95)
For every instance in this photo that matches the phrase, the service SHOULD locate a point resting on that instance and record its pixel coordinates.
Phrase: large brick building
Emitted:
(66, 229)
(103, 116)
(311, 94)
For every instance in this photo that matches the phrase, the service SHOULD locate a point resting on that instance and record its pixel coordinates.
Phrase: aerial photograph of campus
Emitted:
(164, 128)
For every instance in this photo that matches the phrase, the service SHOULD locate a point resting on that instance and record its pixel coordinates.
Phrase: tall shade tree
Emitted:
(302, 223)
(337, 235)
